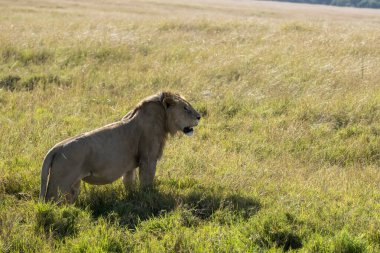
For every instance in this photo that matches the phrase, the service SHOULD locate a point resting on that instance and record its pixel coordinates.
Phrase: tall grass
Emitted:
(287, 153)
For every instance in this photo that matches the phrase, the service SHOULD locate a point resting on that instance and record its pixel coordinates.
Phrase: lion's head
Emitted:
(181, 116)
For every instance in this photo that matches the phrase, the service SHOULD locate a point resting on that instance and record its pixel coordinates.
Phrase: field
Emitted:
(287, 155)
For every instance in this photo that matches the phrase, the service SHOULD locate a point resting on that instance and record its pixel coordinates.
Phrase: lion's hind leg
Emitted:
(63, 187)
(74, 193)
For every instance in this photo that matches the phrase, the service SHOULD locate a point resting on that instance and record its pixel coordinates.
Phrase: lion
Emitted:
(116, 150)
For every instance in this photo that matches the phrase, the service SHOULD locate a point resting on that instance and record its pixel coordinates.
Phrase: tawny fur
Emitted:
(105, 154)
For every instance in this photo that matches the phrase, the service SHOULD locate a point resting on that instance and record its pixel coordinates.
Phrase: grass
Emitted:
(286, 157)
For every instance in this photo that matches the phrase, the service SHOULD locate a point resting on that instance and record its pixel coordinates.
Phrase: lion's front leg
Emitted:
(129, 180)
(147, 171)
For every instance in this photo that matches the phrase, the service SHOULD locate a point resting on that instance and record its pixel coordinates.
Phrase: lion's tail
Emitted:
(45, 171)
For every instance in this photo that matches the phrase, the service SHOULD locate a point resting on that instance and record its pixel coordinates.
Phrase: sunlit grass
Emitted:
(286, 155)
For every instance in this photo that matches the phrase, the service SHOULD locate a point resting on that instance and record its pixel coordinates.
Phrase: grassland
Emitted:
(285, 158)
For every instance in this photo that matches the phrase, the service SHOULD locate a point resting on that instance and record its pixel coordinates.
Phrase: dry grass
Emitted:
(286, 156)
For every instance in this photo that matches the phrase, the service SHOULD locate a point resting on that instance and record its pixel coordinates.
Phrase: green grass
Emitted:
(287, 154)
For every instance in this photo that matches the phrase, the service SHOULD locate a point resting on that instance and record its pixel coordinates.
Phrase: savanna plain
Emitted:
(287, 154)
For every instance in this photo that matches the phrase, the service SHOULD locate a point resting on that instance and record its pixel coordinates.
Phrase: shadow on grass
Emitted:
(128, 209)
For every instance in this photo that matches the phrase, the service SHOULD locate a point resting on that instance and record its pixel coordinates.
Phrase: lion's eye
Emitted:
(186, 109)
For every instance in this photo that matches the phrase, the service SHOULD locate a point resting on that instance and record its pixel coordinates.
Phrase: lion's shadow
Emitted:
(128, 209)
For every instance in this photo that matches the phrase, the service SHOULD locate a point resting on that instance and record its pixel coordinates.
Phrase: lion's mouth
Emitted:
(188, 131)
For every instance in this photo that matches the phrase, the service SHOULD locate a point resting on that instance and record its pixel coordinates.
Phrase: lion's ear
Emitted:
(168, 101)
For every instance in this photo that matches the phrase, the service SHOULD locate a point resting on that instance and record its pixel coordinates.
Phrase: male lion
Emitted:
(105, 154)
